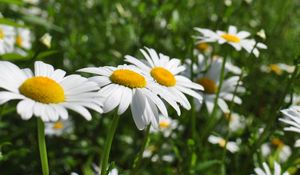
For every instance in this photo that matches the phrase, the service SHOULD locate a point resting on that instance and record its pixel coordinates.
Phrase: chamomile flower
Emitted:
(166, 125)
(7, 39)
(236, 122)
(230, 146)
(97, 170)
(23, 40)
(292, 118)
(59, 127)
(267, 171)
(125, 86)
(282, 150)
(236, 39)
(278, 68)
(169, 84)
(210, 81)
(47, 93)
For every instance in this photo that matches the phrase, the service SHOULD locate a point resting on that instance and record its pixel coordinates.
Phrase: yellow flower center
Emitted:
(58, 125)
(42, 89)
(1, 34)
(276, 69)
(202, 46)
(19, 41)
(164, 124)
(222, 143)
(231, 38)
(128, 78)
(209, 85)
(277, 142)
(163, 76)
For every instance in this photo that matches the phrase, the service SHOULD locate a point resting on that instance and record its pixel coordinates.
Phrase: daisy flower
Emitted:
(125, 86)
(7, 39)
(166, 125)
(47, 93)
(236, 39)
(267, 171)
(59, 127)
(292, 118)
(23, 40)
(283, 150)
(169, 84)
(278, 68)
(210, 81)
(230, 146)
(236, 122)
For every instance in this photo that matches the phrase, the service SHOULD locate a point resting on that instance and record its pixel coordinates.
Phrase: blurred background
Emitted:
(91, 32)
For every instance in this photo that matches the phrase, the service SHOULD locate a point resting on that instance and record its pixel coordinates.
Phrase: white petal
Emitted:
(125, 101)
(138, 108)
(25, 109)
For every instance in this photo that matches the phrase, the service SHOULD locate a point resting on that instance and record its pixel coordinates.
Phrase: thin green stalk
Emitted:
(212, 118)
(193, 112)
(42, 146)
(139, 157)
(111, 133)
(223, 167)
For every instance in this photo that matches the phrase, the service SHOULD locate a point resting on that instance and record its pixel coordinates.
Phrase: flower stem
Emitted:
(192, 75)
(139, 157)
(111, 133)
(42, 146)
(213, 117)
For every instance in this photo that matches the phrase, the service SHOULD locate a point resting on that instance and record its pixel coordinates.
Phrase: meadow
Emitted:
(158, 87)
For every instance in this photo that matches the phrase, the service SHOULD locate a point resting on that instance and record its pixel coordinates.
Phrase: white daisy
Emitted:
(236, 39)
(297, 143)
(292, 118)
(278, 68)
(166, 125)
(7, 39)
(47, 93)
(267, 171)
(282, 150)
(97, 170)
(236, 122)
(230, 146)
(169, 84)
(210, 81)
(126, 86)
(59, 127)
(23, 40)
(34, 2)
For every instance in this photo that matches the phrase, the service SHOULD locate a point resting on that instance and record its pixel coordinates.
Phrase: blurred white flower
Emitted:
(23, 40)
(203, 48)
(46, 39)
(278, 68)
(34, 2)
(236, 122)
(267, 171)
(236, 39)
(297, 143)
(7, 39)
(230, 146)
(210, 81)
(166, 125)
(59, 128)
(277, 146)
(97, 170)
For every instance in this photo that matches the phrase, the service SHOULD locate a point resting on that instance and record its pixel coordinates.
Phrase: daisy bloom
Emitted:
(97, 170)
(47, 93)
(210, 81)
(7, 39)
(125, 86)
(169, 84)
(59, 127)
(236, 39)
(267, 171)
(297, 143)
(282, 150)
(236, 122)
(230, 146)
(278, 68)
(166, 125)
(23, 40)
(292, 118)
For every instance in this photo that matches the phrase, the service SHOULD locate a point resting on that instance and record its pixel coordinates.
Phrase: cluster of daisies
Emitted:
(14, 40)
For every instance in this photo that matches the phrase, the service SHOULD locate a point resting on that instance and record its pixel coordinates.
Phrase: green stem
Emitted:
(193, 112)
(213, 119)
(111, 133)
(139, 157)
(223, 167)
(42, 146)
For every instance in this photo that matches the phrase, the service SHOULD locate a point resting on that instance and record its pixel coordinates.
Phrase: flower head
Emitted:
(292, 118)
(7, 39)
(266, 170)
(23, 40)
(230, 146)
(125, 86)
(59, 127)
(47, 93)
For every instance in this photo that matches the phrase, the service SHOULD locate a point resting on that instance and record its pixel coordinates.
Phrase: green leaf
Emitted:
(40, 21)
(16, 2)
(14, 57)
(45, 54)
(207, 164)
(10, 22)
